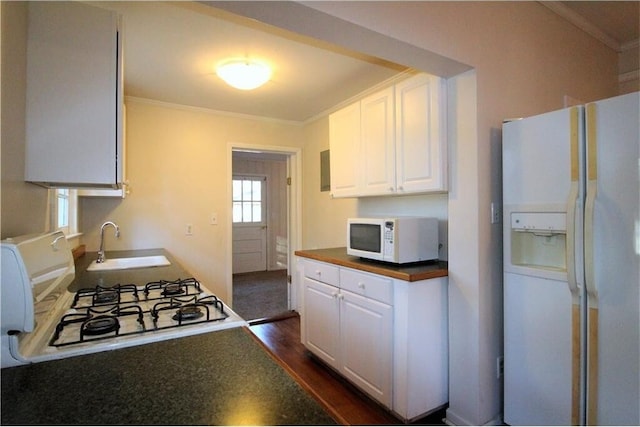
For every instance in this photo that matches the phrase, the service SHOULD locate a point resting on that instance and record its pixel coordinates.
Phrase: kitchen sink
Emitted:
(127, 263)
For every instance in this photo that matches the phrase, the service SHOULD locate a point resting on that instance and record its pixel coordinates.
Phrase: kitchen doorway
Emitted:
(262, 220)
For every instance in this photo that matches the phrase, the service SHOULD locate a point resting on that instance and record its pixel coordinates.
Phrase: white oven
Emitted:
(42, 320)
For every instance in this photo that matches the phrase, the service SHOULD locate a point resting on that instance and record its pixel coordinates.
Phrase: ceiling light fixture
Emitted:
(244, 74)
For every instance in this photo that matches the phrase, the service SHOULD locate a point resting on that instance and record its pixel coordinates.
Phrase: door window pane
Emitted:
(247, 200)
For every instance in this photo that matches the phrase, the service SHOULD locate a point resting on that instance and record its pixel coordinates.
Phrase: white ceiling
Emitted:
(171, 49)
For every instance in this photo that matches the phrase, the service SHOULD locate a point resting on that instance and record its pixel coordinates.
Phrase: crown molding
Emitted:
(633, 44)
(630, 76)
(580, 22)
(209, 111)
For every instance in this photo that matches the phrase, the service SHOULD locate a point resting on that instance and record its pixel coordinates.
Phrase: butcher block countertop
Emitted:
(410, 272)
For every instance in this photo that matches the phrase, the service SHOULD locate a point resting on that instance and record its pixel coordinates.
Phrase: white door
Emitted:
(249, 225)
(421, 148)
(366, 333)
(541, 309)
(612, 261)
(378, 156)
(322, 320)
(344, 143)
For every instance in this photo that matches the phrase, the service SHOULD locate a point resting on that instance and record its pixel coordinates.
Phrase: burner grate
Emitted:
(101, 313)
(100, 295)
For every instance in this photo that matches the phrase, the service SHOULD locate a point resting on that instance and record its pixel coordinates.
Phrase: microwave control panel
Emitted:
(388, 247)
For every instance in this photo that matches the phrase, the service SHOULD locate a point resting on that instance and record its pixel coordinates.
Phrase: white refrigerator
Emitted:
(571, 219)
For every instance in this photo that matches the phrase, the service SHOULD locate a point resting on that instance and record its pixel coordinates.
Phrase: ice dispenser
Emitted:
(539, 240)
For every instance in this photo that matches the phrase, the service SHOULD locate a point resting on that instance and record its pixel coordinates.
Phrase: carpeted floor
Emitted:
(260, 295)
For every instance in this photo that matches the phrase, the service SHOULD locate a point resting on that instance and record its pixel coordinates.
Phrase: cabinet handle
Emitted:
(340, 296)
(390, 188)
(334, 294)
(318, 273)
(361, 285)
(401, 188)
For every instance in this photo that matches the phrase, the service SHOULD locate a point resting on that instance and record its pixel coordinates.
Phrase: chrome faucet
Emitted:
(101, 251)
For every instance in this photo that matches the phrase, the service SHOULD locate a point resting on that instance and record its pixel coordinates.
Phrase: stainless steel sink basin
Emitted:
(127, 263)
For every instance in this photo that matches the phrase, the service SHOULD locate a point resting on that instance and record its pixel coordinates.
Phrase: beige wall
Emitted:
(178, 169)
(323, 218)
(24, 205)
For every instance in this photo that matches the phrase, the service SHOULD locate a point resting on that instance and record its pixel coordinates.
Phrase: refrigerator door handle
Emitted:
(572, 202)
(591, 195)
(571, 242)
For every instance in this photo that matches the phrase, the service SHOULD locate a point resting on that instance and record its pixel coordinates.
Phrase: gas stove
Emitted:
(42, 321)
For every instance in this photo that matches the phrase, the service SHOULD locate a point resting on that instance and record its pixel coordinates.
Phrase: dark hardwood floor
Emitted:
(343, 401)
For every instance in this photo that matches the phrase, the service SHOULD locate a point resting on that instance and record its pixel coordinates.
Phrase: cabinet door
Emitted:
(322, 320)
(378, 150)
(421, 149)
(344, 144)
(366, 343)
(74, 93)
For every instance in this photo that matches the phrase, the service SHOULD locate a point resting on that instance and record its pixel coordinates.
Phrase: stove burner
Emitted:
(173, 289)
(188, 312)
(100, 295)
(107, 296)
(100, 325)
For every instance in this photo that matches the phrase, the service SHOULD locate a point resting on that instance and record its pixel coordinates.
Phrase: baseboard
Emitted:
(454, 420)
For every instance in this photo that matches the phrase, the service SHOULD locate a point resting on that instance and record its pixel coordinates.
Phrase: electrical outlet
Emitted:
(499, 367)
(495, 213)
(188, 230)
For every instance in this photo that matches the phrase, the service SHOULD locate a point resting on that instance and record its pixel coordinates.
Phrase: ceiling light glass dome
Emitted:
(244, 74)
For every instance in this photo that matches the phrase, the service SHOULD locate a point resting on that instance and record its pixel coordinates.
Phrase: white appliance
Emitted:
(571, 271)
(399, 240)
(42, 320)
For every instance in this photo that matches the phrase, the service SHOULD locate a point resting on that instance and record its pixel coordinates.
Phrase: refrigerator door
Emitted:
(612, 269)
(541, 185)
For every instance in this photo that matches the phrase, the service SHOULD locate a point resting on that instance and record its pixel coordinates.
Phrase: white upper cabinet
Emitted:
(344, 137)
(74, 96)
(420, 143)
(377, 154)
(392, 142)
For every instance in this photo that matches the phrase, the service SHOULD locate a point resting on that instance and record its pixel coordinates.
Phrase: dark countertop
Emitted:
(218, 378)
(137, 276)
(408, 272)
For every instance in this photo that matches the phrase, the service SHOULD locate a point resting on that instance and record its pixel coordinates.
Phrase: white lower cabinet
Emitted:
(322, 320)
(386, 336)
(352, 334)
(366, 345)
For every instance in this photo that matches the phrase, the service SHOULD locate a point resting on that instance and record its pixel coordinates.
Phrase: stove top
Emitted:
(101, 313)
(98, 318)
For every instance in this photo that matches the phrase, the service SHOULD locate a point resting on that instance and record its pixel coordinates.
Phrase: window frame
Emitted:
(263, 199)
(71, 227)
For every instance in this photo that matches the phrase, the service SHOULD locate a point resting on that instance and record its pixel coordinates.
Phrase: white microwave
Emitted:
(398, 240)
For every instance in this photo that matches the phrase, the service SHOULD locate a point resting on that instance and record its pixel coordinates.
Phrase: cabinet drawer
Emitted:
(322, 272)
(368, 285)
